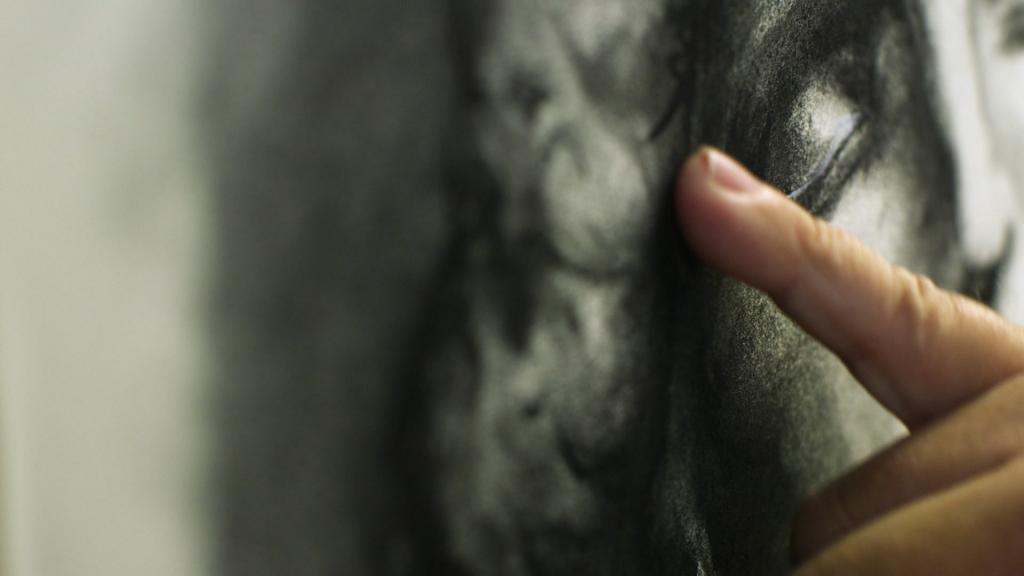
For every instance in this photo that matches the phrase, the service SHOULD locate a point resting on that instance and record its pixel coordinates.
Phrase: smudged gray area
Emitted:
(326, 118)
(459, 334)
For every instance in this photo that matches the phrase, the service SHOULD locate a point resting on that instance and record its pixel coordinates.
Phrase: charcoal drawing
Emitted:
(446, 319)
(569, 391)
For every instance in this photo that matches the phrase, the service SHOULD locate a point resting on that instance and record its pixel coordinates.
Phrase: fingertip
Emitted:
(710, 175)
(694, 178)
(695, 202)
(691, 187)
(715, 203)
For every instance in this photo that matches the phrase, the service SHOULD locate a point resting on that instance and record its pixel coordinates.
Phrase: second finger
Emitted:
(979, 437)
(976, 527)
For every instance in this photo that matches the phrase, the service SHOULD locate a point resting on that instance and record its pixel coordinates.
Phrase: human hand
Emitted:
(949, 499)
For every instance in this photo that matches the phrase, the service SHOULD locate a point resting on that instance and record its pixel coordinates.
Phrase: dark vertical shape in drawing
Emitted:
(325, 119)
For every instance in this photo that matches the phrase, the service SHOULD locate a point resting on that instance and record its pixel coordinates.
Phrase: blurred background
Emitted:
(188, 181)
(104, 228)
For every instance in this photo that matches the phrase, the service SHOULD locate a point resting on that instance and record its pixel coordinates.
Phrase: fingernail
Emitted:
(729, 175)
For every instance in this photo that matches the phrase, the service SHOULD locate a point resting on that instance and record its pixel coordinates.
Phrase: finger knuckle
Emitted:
(1015, 469)
(821, 243)
(1008, 421)
(919, 310)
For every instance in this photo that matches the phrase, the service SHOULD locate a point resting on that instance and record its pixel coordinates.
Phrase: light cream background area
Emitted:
(103, 242)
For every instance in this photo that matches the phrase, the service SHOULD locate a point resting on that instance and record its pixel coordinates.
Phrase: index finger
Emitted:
(921, 351)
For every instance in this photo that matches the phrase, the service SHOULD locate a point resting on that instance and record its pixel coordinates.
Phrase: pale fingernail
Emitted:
(729, 175)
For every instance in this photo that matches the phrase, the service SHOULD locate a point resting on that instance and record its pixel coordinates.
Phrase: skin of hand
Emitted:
(949, 498)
